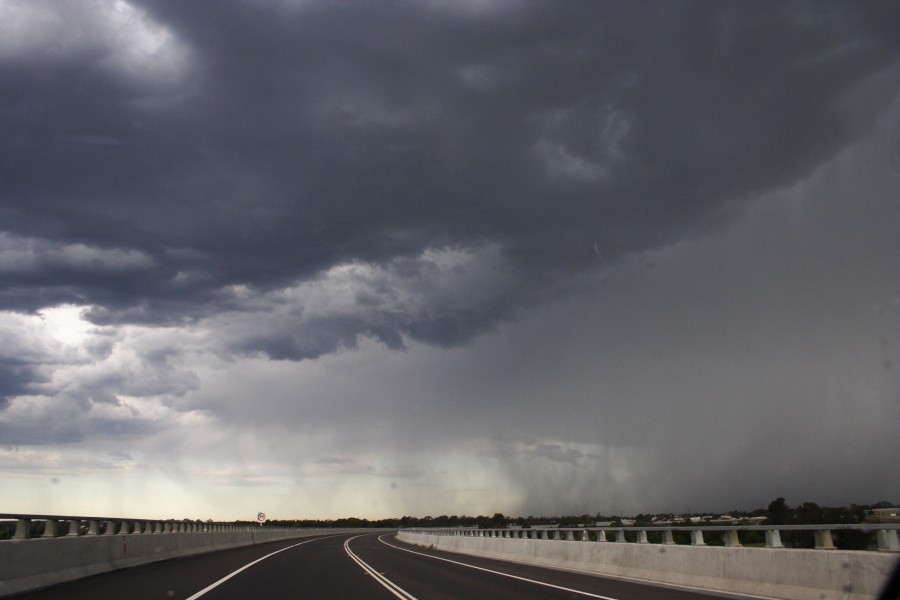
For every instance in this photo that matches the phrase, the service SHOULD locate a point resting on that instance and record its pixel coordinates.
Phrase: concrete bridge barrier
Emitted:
(770, 572)
(28, 563)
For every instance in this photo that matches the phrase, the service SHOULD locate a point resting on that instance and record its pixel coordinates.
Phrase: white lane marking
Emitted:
(543, 583)
(248, 565)
(387, 583)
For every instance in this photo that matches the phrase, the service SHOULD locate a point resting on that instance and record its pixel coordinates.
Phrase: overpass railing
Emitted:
(885, 534)
(26, 526)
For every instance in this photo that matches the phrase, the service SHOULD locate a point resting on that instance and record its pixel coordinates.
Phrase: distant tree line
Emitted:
(777, 513)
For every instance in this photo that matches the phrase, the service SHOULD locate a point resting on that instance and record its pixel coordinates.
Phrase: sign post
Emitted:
(261, 517)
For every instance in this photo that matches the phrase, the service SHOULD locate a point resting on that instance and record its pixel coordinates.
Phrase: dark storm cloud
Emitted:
(286, 140)
(15, 378)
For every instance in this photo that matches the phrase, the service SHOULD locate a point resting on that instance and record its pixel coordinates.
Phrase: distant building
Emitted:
(756, 520)
(887, 515)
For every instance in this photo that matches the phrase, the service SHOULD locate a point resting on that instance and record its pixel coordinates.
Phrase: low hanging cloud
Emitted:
(561, 141)
(528, 244)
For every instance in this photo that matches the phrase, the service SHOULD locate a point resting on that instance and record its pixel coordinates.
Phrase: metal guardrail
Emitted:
(81, 525)
(885, 534)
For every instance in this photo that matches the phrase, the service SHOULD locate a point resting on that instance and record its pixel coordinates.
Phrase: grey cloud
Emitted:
(315, 136)
(16, 377)
(67, 426)
(557, 453)
(288, 181)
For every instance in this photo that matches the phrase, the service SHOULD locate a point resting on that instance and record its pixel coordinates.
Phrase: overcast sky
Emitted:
(326, 259)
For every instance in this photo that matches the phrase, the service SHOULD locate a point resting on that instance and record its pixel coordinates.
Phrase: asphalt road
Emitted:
(370, 566)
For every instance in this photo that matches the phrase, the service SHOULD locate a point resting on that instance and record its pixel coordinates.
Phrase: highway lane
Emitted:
(370, 566)
(315, 567)
(435, 575)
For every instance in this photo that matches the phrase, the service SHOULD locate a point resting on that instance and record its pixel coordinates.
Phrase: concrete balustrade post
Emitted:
(773, 539)
(137, 528)
(74, 527)
(49, 528)
(620, 536)
(570, 535)
(642, 536)
(697, 538)
(585, 536)
(601, 535)
(93, 527)
(124, 528)
(824, 540)
(887, 540)
(110, 528)
(23, 529)
(731, 538)
(668, 539)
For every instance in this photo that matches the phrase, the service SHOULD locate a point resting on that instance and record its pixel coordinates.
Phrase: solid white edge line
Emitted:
(248, 565)
(384, 581)
(549, 585)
